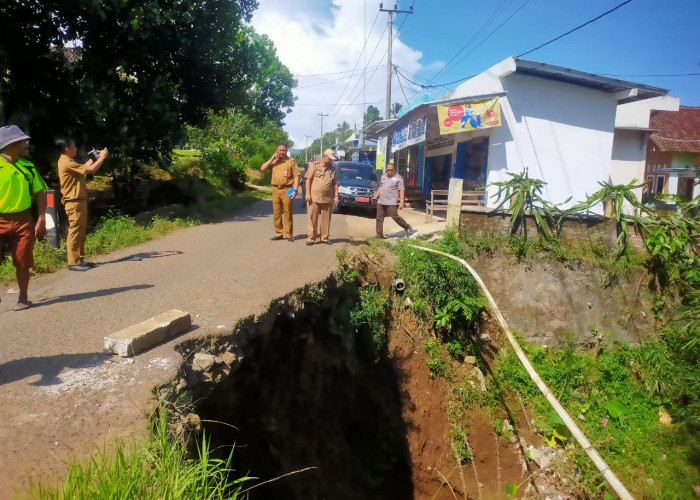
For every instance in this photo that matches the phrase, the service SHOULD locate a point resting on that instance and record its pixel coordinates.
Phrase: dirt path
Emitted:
(61, 397)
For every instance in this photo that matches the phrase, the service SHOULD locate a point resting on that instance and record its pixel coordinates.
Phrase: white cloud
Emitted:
(313, 37)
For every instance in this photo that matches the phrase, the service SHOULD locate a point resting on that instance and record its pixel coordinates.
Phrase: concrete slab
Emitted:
(137, 338)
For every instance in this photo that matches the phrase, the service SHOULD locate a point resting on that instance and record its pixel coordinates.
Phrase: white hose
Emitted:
(592, 453)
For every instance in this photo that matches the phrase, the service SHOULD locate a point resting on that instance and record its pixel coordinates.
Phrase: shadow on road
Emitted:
(48, 367)
(89, 295)
(143, 255)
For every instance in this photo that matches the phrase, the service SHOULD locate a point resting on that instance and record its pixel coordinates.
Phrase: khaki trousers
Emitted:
(77, 226)
(282, 207)
(324, 210)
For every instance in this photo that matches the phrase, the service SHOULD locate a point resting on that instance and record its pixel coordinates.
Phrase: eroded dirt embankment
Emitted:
(298, 390)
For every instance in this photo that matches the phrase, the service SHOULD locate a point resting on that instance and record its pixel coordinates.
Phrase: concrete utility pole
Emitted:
(391, 12)
(306, 150)
(322, 115)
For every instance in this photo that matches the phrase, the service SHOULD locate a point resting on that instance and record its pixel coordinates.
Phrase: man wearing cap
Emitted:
(19, 185)
(391, 191)
(321, 194)
(285, 183)
(71, 174)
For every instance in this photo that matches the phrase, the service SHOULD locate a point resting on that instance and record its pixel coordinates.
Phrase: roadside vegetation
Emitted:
(637, 404)
(157, 469)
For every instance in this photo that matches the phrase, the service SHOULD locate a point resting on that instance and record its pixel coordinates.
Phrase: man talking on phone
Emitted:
(285, 183)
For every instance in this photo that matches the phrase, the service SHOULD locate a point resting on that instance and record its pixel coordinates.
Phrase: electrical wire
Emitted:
(364, 46)
(575, 29)
(493, 32)
(475, 34)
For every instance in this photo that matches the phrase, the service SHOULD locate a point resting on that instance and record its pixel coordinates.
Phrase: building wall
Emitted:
(628, 161)
(562, 133)
(636, 114)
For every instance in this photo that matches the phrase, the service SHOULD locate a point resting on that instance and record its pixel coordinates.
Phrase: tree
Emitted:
(137, 71)
(395, 108)
(371, 115)
(270, 95)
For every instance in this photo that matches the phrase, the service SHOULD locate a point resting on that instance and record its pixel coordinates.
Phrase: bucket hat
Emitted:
(10, 134)
(330, 154)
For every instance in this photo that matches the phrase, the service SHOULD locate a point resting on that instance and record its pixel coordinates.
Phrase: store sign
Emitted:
(410, 132)
(467, 116)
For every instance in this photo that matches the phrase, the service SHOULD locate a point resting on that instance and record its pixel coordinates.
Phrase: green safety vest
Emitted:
(18, 182)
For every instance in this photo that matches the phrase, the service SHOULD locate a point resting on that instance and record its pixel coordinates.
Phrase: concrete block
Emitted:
(137, 338)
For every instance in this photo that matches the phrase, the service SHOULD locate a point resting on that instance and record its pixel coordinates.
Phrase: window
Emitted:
(659, 184)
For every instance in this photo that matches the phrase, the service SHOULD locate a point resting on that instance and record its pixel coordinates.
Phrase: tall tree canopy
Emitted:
(129, 74)
(371, 115)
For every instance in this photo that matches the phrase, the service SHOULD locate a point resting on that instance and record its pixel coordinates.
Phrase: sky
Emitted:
(336, 49)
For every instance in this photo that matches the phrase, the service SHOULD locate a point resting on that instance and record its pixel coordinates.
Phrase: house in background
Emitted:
(557, 122)
(632, 132)
(673, 152)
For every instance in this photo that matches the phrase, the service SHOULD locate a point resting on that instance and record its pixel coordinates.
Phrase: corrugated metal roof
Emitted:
(589, 80)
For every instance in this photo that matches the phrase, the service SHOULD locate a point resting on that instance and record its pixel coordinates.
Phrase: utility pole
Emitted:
(306, 150)
(391, 12)
(322, 115)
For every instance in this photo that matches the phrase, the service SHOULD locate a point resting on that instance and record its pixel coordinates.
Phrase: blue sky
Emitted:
(322, 42)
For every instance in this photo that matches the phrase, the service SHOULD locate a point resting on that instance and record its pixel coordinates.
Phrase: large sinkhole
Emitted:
(311, 392)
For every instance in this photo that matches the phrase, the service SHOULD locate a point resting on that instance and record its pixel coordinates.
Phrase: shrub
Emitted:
(221, 164)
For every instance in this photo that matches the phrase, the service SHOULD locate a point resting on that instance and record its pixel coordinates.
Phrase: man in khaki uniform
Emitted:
(71, 174)
(321, 193)
(285, 176)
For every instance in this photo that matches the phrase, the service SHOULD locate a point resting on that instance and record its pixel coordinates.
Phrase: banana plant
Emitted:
(613, 197)
(523, 194)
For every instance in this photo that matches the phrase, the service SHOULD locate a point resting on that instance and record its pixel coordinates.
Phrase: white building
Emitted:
(557, 122)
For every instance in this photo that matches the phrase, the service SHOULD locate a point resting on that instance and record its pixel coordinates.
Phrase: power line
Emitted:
(575, 29)
(364, 46)
(493, 32)
(472, 38)
(330, 81)
(401, 85)
(324, 74)
(370, 77)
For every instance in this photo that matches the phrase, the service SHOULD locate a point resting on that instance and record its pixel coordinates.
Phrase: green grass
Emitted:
(155, 470)
(652, 459)
(119, 231)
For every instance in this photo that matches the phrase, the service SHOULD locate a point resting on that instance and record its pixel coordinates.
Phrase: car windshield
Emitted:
(356, 171)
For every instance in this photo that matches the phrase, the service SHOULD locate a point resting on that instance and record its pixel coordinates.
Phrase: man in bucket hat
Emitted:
(18, 187)
(321, 194)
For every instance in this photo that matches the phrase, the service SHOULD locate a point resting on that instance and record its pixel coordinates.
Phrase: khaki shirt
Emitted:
(323, 182)
(284, 172)
(71, 174)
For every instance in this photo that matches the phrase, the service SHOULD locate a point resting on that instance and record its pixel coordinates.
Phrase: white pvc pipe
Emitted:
(592, 453)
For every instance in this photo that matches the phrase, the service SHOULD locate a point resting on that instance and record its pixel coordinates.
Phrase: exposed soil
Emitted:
(552, 303)
(306, 393)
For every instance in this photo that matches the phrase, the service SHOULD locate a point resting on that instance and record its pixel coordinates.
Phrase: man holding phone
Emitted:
(285, 177)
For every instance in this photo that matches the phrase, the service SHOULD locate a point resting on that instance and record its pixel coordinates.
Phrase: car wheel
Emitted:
(337, 209)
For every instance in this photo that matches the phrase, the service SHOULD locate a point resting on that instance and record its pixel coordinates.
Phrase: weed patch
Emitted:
(157, 470)
(616, 410)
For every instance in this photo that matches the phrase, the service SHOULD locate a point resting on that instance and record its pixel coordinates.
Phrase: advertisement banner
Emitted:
(381, 153)
(466, 116)
(410, 132)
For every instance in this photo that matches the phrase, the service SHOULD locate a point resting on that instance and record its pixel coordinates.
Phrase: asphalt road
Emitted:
(62, 397)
